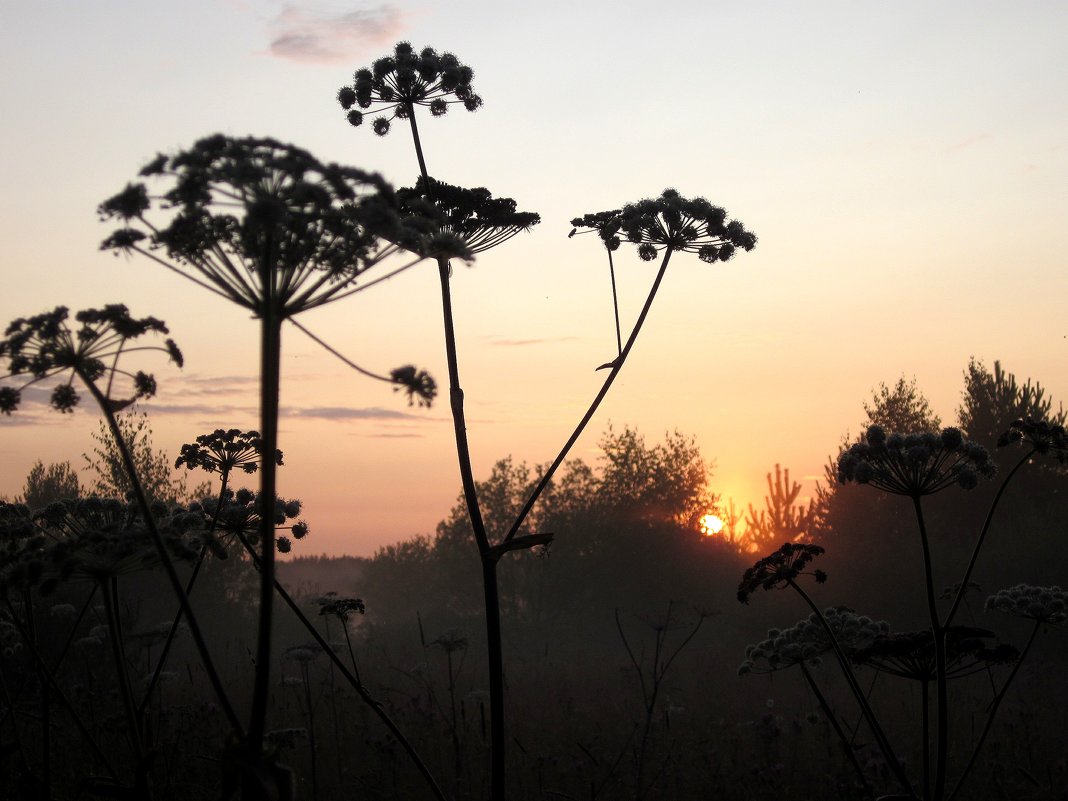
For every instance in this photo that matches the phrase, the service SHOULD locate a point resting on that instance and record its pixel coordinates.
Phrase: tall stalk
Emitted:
(939, 635)
(161, 549)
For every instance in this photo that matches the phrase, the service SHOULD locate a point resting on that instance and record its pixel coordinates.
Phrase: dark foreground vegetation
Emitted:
(568, 632)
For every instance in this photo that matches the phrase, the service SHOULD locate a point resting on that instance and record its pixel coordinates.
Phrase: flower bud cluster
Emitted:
(222, 451)
(911, 655)
(1041, 435)
(45, 345)
(341, 608)
(1040, 604)
(780, 569)
(915, 464)
(806, 641)
(239, 514)
(395, 85)
(671, 222)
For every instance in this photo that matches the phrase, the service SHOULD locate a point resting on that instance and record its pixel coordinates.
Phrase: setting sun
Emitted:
(711, 525)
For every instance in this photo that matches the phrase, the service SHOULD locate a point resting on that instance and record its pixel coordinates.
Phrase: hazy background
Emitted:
(904, 166)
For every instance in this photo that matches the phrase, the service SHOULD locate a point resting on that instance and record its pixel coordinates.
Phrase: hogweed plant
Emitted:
(400, 84)
(914, 466)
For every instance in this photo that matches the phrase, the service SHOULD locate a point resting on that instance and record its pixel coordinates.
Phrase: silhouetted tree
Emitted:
(782, 519)
(992, 401)
(43, 485)
(901, 408)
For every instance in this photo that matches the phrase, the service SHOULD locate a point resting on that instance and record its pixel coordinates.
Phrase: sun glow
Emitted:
(711, 525)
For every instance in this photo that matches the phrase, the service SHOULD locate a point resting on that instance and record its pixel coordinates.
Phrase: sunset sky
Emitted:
(905, 166)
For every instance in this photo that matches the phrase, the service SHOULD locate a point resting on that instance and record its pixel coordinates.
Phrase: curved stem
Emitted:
(615, 303)
(847, 745)
(617, 365)
(938, 633)
(165, 557)
(993, 711)
(858, 693)
(982, 536)
(188, 591)
(352, 679)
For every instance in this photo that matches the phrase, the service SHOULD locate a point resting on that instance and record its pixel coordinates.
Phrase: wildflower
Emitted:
(916, 464)
(780, 569)
(1040, 604)
(396, 84)
(474, 216)
(911, 655)
(238, 514)
(46, 345)
(224, 451)
(419, 385)
(450, 642)
(671, 222)
(1041, 435)
(263, 223)
(807, 641)
(341, 608)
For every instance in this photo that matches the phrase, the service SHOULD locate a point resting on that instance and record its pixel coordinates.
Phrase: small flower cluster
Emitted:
(1042, 435)
(807, 641)
(418, 385)
(407, 79)
(45, 345)
(671, 222)
(915, 464)
(780, 569)
(473, 216)
(911, 655)
(90, 539)
(1040, 604)
(222, 451)
(341, 608)
(239, 514)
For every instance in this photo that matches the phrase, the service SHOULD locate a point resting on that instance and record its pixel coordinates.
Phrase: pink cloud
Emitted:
(314, 36)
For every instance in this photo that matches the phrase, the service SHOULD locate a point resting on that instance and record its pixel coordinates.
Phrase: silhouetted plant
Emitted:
(916, 466)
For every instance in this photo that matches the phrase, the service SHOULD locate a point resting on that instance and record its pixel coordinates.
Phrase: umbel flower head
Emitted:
(911, 655)
(671, 222)
(264, 223)
(474, 216)
(780, 569)
(46, 345)
(341, 608)
(89, 539)
(1040, 604)
(807, 641)
(223, 451)
(916, 464)
(418, 385)
(238, 514)
(1041, 435)
(395, 85)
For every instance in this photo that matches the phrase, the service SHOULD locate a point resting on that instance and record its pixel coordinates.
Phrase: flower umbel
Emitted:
(478, 219)
(1042, 435)
(671, 222)
(807, 641)
(916, 464)
(46, 345)
(263, 223)
(912, 655)
(1040, 604)
(223, 451)
(780, 569)
(395, 84)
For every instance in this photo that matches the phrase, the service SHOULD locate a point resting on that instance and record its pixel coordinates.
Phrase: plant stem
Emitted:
(270, 379)
(858, 693)
(982, 536)
(617, 365)
(993, 711)
(109, 591)
(165, 557)
(941, 684)
(847, 745)
(354, 682)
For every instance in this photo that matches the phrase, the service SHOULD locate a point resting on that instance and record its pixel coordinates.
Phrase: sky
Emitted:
(905, 167)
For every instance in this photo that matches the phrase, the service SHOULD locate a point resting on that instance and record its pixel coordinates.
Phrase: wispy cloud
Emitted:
(344, 413)
(964, 144)
(313, 35)
(514, 343)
